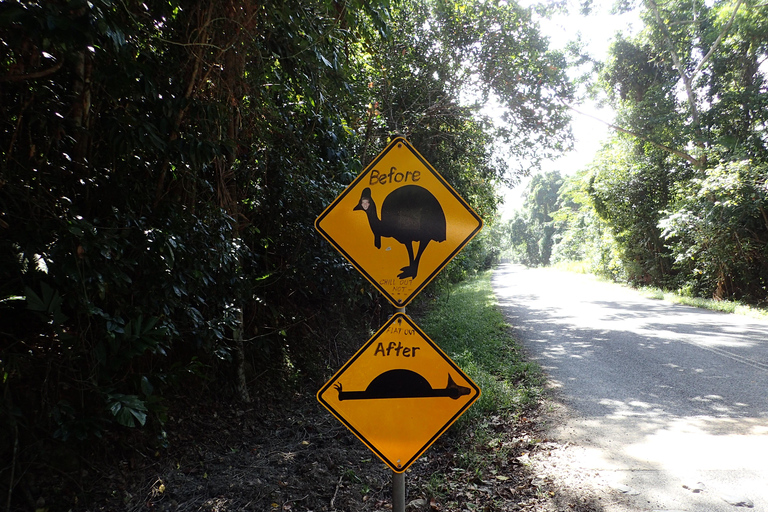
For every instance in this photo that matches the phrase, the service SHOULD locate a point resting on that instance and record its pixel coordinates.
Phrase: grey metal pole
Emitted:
(398, 479)
(398, 492)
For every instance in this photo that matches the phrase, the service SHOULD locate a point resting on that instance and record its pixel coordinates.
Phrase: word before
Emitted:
(391, 347)
(382, 178)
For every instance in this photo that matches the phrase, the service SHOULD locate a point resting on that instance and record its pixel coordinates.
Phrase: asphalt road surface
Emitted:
(666, 403)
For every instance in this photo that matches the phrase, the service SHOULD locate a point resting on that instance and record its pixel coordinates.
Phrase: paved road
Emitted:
(666, 403)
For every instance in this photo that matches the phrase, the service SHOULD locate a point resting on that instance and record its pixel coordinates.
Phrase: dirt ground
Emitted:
(292, 455)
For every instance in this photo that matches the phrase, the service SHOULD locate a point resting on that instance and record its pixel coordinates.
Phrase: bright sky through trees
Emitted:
(597, 31)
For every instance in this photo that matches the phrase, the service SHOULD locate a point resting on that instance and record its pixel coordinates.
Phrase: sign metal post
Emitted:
(398, 492)
(398, 479)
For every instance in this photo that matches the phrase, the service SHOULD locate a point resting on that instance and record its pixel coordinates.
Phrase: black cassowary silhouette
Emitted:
(402, 384)
(408, 214)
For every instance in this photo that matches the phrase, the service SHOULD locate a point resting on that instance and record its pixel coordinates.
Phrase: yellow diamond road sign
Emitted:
(399, 222)
(399, 393)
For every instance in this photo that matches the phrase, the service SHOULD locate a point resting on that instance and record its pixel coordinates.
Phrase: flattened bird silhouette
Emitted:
(400, 383)
(409, 214)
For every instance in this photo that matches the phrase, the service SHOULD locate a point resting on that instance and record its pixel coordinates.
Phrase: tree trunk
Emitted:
(242, 381)
(81, 107)
(232, 86)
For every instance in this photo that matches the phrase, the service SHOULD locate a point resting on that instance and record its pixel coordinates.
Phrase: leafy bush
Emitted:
(718, 231)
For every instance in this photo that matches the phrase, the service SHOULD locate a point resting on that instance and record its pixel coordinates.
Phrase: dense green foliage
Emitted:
(557, 223)
(532, 231)
(677, 197)
(682, 187)
(147, 219)
(718, 231)
(161, 167)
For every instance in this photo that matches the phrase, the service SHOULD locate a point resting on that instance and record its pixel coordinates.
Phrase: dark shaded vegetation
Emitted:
(161, 167)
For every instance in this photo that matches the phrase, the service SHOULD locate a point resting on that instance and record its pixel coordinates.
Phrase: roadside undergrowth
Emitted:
(725, 306)
(466, 323)
(680, 296)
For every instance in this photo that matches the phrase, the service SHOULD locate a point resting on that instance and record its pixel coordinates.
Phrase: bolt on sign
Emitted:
(398, 393)
(399, 222)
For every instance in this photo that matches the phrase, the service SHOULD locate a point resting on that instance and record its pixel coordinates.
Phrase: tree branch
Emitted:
(32, 76)
(667, 38)
(717, 41)
(687, 80)
(673, 151)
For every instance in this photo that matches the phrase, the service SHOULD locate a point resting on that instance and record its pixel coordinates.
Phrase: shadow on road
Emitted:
(659, 398)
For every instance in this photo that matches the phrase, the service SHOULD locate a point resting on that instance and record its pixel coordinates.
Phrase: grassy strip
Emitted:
(577, 267)
(652, 292)
(726, 306)
(466, 323)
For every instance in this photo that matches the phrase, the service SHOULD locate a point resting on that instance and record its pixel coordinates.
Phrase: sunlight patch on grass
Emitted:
(577, 267)
(468, 326)
(725, 306)
(679, 297)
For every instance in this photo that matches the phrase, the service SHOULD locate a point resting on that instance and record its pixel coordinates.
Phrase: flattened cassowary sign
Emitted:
(399, 222)
(398, 393)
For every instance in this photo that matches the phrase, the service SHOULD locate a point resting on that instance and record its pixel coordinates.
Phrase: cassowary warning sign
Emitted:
(399, 222)
(399, 393)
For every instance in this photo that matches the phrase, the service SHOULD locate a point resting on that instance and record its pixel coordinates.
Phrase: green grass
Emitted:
(678, 297)
(726, 306)
(466, 324)
(578, 267)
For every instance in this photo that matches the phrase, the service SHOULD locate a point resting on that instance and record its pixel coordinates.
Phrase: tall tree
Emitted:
(533, 230)
(680, 59)
(691, 97)
(629, 191)
(497, 51)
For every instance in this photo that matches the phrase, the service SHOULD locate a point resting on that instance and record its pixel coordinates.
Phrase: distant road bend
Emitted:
(666, 405)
